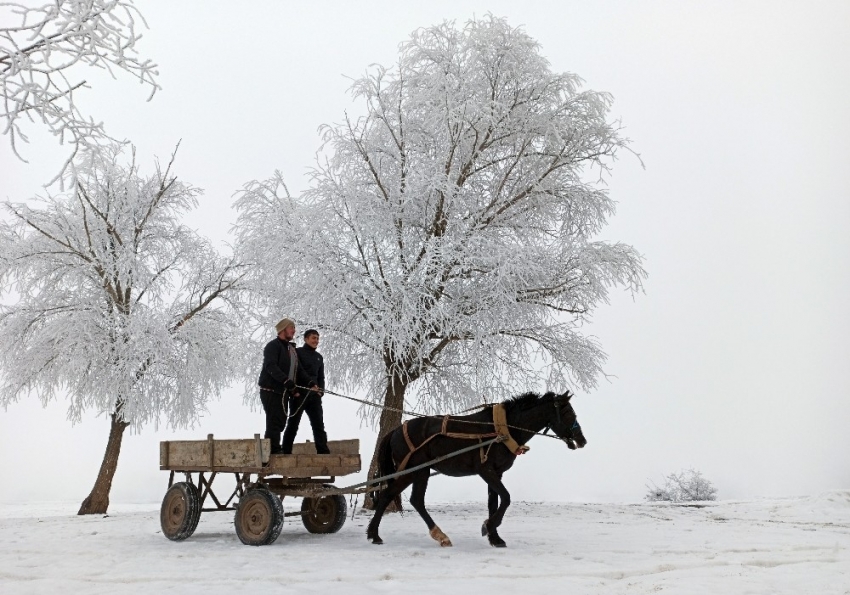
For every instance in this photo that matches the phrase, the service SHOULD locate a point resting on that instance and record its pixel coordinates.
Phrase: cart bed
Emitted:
(252, 456)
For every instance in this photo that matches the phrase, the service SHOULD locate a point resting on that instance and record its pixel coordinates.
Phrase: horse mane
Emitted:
(525, 401)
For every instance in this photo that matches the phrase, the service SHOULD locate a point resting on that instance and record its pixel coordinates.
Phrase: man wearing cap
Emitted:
(311, 401)
(278, 378)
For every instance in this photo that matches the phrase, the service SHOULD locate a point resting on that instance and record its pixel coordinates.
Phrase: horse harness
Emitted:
(500, 424)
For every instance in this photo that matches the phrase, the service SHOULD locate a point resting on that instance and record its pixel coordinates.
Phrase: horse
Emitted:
(425, 439)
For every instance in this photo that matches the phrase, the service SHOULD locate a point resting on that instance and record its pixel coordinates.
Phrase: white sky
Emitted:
(735, 361)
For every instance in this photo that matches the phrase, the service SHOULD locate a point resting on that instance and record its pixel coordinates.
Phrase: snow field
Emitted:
(799, 545)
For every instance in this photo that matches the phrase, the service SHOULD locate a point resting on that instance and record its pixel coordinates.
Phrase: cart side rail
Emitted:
(252, 456)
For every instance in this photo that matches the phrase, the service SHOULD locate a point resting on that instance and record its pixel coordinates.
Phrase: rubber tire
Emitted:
(259, 517)
(180, 511)
(328, 516)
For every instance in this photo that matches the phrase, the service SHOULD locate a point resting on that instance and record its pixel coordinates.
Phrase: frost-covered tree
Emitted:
(447, 244)
(111, 301)
(41, 59)
(687, 485)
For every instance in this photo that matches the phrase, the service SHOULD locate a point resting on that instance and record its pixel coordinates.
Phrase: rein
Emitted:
(416, 414)
(400, 470)
(379, 480)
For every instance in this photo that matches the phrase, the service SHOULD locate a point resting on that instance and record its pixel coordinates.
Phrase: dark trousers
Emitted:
(275, 417)
(312, 406)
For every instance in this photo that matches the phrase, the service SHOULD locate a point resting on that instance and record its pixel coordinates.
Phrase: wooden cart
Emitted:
(262, 480)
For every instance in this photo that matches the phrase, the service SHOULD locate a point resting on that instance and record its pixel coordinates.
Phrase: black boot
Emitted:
(274, 439)
(320, 437)
(288, 440)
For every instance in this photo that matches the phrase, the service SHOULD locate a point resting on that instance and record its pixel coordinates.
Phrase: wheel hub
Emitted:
(176, 512)
(258, 519)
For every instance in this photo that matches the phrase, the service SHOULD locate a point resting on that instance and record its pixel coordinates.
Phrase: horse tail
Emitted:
(386, 465)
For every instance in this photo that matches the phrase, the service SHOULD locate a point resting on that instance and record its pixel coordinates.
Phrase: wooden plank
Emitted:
(307, 472)
(298, 461)
(315, 460)
(258, 458)
(337, 447)
(311, 465)
(186, 453)
(205, 468)
(242, 456)
(344, 466)
(214, 453)
(163, 454)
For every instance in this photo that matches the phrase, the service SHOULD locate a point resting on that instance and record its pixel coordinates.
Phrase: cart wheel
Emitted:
(259, 517)
(181, 511)
(324, 515)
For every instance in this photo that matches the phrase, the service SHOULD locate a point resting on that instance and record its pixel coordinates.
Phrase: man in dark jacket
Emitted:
(311, 402)
(278, 379)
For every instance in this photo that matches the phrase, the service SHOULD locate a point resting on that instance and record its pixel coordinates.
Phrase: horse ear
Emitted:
(568, 395)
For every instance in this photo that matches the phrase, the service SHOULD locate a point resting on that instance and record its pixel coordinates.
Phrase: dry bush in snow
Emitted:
(687, 485)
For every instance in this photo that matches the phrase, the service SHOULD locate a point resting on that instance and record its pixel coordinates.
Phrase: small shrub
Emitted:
(685, 486)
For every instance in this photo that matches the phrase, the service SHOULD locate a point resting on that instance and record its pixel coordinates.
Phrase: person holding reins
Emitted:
(279, 376)
(310, 402)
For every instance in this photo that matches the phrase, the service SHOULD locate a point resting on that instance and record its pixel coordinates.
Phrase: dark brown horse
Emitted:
(433, 437)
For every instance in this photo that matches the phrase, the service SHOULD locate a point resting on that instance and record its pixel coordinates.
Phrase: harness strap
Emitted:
(485, 454)
(412, 448)
(407, 437)
(500, 422)
(443, 432)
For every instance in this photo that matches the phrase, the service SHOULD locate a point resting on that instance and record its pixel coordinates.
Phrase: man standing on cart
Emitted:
(311, 402)
(278, 378)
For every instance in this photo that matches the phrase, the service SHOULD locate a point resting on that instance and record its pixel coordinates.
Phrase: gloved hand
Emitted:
(289, 384)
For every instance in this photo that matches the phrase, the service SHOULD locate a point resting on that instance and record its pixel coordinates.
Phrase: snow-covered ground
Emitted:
(799, 545)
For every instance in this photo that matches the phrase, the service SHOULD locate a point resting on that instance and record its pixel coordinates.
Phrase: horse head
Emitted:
(564, 422)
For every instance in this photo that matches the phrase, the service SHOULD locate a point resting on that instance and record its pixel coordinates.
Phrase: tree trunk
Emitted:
(98, 500)
(390, 420)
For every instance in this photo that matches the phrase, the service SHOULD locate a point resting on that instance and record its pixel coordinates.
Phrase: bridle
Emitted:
(572, 428)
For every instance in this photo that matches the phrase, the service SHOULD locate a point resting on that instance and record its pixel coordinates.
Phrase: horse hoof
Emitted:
(495, 540)
(438, 535)
(377, 541)
(484, 530)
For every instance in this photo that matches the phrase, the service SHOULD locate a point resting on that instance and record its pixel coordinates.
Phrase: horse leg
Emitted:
(496, 492)
(384, 498)
(417, 500)
(492, 502)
